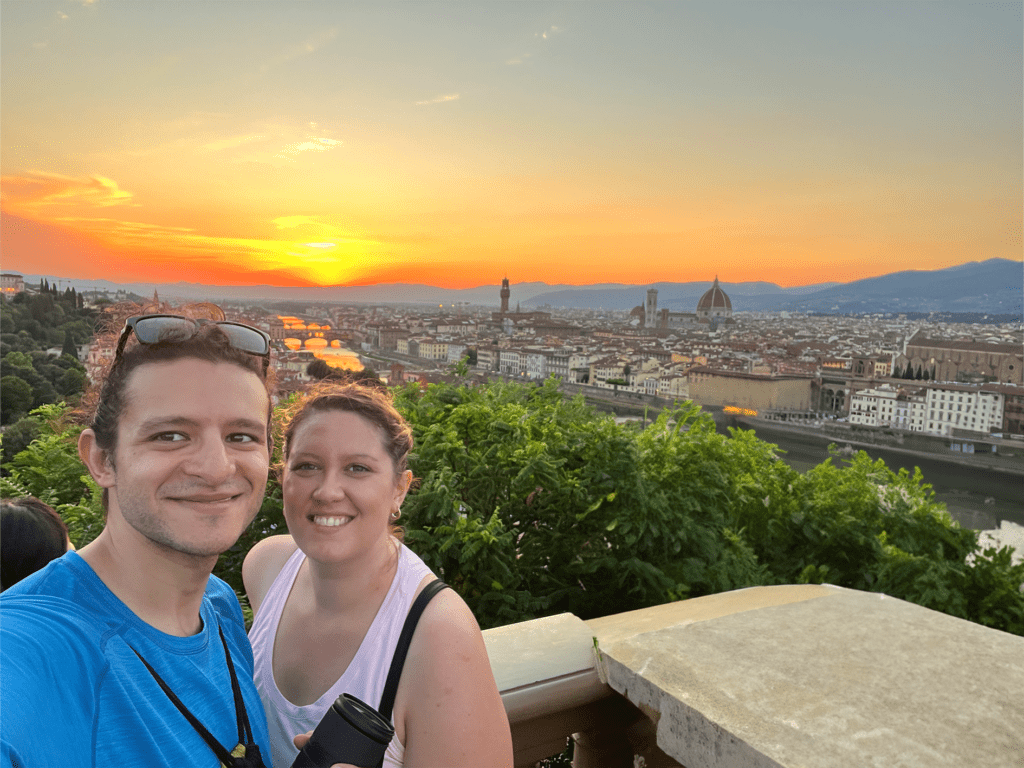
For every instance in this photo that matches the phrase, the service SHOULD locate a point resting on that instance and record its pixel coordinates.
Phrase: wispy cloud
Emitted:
(546, 34)
(37, 189)
(311, 144)
(310, 46)
(314, 228)
(62, 16)
(440, 99)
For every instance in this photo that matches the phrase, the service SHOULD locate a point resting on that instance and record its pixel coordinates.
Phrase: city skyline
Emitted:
(324, 144)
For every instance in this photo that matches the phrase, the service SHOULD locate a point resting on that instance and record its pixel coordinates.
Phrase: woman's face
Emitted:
(340, 486)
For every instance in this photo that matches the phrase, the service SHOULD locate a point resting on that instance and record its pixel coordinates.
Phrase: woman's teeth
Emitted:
(331, 522)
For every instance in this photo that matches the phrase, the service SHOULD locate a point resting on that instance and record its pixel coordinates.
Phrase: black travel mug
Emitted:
(350, 732)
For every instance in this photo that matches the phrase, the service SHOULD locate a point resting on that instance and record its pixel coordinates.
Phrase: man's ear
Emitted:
(95, 459)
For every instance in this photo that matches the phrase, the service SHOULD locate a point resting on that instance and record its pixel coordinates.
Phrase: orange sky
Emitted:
(325, 143)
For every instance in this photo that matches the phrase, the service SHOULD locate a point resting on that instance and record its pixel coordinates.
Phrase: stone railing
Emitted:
(811, 676)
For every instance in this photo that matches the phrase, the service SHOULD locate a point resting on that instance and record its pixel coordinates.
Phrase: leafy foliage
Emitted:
(50, 470)
(530, 504)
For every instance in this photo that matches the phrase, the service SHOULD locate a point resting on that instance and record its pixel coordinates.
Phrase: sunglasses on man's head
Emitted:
(150, 329)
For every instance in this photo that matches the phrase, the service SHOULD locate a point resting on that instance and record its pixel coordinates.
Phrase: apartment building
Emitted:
(936, 409)
(890, 406)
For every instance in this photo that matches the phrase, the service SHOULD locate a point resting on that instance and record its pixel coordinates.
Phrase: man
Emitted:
(128, 652)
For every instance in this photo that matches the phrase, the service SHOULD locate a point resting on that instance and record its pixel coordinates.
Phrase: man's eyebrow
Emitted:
(165, 423)
(183, 421)
(250, 424)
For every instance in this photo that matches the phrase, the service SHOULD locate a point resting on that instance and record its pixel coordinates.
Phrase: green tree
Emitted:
(318, 369)
(71, 382)
(16, 398)
(18, 436)
(18, 360)
(70, 348)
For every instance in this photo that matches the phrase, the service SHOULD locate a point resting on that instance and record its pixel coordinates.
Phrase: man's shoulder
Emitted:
(223, 599)
(55, 599)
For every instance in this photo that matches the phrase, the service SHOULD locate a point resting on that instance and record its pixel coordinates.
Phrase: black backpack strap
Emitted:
(387, 700)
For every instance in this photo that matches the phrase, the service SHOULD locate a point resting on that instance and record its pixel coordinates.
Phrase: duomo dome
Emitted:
(714, 304)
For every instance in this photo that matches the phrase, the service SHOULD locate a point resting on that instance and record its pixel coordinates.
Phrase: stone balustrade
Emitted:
(810, 676)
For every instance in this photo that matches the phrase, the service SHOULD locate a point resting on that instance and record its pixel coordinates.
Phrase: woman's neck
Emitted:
(343, 588)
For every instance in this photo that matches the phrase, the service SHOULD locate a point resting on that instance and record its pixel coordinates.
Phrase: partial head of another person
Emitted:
(31, 535)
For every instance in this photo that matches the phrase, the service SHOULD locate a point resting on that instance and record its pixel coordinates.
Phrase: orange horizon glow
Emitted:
(237, 261)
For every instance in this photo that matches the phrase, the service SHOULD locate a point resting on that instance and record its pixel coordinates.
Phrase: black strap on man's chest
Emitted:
(250, 756)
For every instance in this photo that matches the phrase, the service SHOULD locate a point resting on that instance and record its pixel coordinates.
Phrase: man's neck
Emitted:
(163, 588)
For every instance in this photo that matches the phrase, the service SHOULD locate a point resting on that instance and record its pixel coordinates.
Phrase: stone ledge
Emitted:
(817, 676)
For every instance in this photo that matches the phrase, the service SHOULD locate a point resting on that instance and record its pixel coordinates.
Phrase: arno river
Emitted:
(975, 497)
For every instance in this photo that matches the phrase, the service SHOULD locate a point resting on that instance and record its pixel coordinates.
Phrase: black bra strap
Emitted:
(387, 700)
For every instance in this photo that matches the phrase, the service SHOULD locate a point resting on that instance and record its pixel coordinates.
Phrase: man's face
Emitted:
(191, 462)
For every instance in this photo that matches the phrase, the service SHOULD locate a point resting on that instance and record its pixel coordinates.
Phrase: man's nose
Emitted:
(212, 461)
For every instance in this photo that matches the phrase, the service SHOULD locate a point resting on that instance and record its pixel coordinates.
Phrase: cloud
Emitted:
(311, 228)
(62, 16)
(312, 144)
(547, 34)
(38, 189)
(310, 46)
(440, 99)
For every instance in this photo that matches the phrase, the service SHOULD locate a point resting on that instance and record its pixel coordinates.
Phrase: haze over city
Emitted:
(332, 143)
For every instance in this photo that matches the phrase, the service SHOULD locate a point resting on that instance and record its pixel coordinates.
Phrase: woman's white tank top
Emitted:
(365, 675)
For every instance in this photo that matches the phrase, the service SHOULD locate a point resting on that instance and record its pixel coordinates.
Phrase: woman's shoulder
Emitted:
(261, 566)
(448, 632)
(451, 707)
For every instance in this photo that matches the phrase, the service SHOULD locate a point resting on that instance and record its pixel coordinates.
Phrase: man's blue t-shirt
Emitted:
(74, 694)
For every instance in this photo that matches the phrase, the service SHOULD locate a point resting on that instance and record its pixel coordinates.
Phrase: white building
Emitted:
(936, 409)
(487, 358)
(952, 406)
(509, 362)
(889, 406)
(455, 352)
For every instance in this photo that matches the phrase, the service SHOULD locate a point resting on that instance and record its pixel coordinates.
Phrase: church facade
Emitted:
(713, 308)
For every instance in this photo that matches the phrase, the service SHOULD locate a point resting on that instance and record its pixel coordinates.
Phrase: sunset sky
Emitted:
(455, 143)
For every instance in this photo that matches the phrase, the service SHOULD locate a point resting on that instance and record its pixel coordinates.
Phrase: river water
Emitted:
(976, 497)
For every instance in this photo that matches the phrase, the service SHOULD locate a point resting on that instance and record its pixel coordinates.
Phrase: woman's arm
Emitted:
(448, 699)
(261, 566)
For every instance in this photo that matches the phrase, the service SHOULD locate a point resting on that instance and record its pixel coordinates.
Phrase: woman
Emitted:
(330, 599)
(31, 535)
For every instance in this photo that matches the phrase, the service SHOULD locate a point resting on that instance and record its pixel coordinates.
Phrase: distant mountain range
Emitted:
(994, 286)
